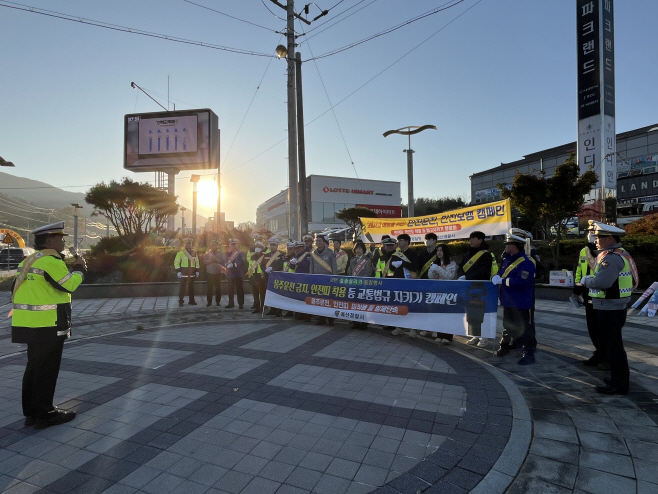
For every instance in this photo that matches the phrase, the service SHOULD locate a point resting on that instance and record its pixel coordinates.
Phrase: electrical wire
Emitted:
(364, 84)
(332, 110)
(336, 17)
(232, 17)
(249, 107)
(263, 2)
(27, 208)
(391, 29)
(115, 27)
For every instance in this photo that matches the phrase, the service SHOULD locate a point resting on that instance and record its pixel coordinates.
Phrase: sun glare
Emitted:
(207, 193)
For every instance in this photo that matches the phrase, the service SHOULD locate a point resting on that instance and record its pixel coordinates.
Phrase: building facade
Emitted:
(637, 172)
(325, 196)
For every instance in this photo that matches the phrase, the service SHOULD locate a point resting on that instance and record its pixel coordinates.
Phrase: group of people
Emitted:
(606, 276)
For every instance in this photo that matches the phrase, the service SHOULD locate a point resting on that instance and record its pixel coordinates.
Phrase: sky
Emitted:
(496, 77)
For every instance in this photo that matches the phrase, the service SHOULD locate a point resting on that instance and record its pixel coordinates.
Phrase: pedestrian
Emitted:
(235, 268)
(478, 264)
(426, 258)
(360, 266)
(300, 263)
(342, 257)
(273, 261)
(187, 269)
(323, 261)
(255, 275)
(443, 268)
(215, 264)
(41, 317)
(610, 287)
(516, 278)
(405, 265)
(585, 267)
(257, 238)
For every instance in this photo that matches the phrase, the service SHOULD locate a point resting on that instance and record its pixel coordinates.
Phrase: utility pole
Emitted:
(293, 189)
(303, 209)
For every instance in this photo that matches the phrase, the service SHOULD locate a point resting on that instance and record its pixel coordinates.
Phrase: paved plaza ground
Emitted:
(209, 400)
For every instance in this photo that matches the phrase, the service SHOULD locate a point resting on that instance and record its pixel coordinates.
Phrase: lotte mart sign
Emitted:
(597, 143)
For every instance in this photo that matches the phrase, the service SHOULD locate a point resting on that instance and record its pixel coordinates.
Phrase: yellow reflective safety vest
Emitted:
(623, 287)
(42, 302)
(583, 268)
(184, 260)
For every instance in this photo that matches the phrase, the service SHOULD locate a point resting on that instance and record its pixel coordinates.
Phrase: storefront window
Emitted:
(328, 212)
(317, 212)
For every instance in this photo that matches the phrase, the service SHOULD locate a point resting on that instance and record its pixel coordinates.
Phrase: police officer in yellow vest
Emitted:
(41, 317)
(610, 287)
(187, 268)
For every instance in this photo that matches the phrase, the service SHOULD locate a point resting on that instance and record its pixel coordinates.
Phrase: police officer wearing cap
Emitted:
(235, 267)
(273, 261)
(610, 287)
(255, 275)
(187, 269)
(404, 264)
(41, 317)
(516, 278)
(585, 267)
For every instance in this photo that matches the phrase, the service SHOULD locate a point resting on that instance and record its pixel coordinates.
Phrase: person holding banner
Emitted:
(405, 265)
(235, 264)
(187, 268)
(585, 267)
(214, 262)
(341, 256)
(426, 258)
(516, 278)
(377, 253)
(610, 287)
(273, 261)
(360, 266)
(323, 261)
(443, 268)
(478, 264)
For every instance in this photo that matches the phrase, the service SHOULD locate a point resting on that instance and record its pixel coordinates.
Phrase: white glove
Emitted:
(293, 261)
(197, 274)
(462, 278)
(497, 280)
(180, 275)
(229, 265)
(433, 272)
(583, 281)
(268, 270)
(396, 264)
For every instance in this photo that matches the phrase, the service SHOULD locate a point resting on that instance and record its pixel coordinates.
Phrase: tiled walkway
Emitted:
(210, 400)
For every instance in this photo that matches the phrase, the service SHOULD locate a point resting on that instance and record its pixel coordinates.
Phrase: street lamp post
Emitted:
(75, 225)
(182, 220)
(410, 160)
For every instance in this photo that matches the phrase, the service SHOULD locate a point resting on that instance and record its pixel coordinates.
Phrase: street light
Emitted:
(75, 225)
(182, 220)
(410, 159)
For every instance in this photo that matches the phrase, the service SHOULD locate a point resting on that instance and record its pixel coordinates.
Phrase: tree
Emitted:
(551, 201)
(133, 208)
(424, 206)
(644, 226)
(351, 217)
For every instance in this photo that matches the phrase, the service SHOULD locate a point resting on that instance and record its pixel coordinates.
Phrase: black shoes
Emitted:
(593, 361)
(180, 303)
(527, 359)
(30, 420)
(610, 390)
(502, 351)
(230, 306)
(55, 417)
(241, 307)
(208, 304)
(192, 303)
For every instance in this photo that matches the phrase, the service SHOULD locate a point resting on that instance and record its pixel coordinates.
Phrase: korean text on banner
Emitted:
(456, 307)
(494, 218)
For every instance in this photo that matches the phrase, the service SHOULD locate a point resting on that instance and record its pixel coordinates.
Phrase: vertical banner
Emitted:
(596, 90)
(455, 307)
(493, 218)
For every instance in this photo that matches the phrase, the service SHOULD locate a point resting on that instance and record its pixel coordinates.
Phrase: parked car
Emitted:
(11, 257)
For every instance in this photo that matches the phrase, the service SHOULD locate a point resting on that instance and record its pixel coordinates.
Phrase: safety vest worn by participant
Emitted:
(586, 264)
(623, 286)
(186, 263)
(255, 260)
(477, 255)
(42, 298)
